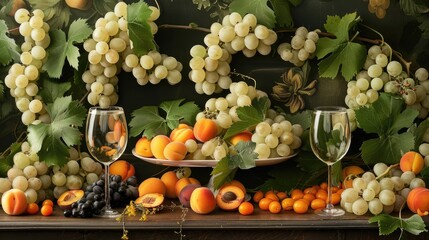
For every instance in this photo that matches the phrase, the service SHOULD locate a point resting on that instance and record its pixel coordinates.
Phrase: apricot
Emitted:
(244, 136)
(183, 182)
(175, 151)
(152, 185)
(182, 134)
(352, 170)
(69, 197)
(150, 200)
(412, 161)
(170, 179)
(205, 129)
(14, 202)
(236, 183)
(230, 197)
(202, 200)
(158, 144)
(122, 168)
(418, 201)
(143, 147)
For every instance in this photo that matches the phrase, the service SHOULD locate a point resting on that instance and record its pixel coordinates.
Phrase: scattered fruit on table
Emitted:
(202, 200)
(230, 197)
(150, 200)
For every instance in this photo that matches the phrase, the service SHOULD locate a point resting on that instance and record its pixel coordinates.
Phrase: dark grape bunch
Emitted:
(91, 204)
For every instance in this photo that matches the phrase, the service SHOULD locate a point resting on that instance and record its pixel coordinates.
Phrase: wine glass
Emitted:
(106, 140)
(330, 139)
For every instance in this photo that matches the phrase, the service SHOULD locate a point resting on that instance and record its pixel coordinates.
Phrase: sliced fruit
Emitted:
(150, 200)
(69, 197)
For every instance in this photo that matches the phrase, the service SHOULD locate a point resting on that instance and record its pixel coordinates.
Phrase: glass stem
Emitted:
(106, 187)
(329, 204)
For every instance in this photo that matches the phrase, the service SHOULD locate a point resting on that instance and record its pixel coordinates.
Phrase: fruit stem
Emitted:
(387, 171)
(244, 77)
(189, 27)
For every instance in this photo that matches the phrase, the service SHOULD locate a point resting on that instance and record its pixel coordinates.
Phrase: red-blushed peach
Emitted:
(202, 200)
(412, 161)
(14, 202)
(185, 194)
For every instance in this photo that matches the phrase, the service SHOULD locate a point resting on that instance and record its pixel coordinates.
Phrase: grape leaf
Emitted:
(388, 224)
(53, 90)
(57, 13)
(226, 168)
(60, 48)
(414, 7)
(102, 7)
(139, 30)
(282, 11)
(249, 116)
(51, 141)
(259, 8)
(334, 54)
(386, 118)
(148, 120)
(6, 161)
(303, 118)
(8, 48)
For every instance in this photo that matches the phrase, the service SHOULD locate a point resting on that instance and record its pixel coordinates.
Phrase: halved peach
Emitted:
(69, 197)
(230, 197)
(150, 200)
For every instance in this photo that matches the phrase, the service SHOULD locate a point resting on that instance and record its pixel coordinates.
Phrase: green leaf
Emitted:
(334, 54)
(148, 120)
(379, 116)
(8, 48)
(223, 173)
(139, 30)
(226, 168)
(60, 48)
(413, 7)
(303, 118)
(245, 157)
(249, 116)
(57, 13)
(384, 117)
(176, 112)
(57, 53)
(259, 8)
(6, 162)
(420, 132)
(282, 10)
(53, 90)
(102, 7)
(388, 224)
(79, 31)
(388, 149)
(51, 141)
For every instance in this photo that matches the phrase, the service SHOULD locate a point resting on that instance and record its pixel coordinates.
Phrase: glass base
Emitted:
(332, 212)
(109, 213)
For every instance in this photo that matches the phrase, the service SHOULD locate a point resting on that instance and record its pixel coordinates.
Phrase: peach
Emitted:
(205, 129)
(150, 200)
(202, 200)
(182, 134)
(152, 185)
(14, 202)
(244, 136)
(412, 161)
(158, 144)
(170, 179)
(122, 168)
(184, 182)
(352, 170)
(143, 147)
(185, 194)
(230, 197)
(175, 151)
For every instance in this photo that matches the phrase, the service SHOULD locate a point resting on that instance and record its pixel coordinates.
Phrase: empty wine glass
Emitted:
(330, 139)
(106, 139)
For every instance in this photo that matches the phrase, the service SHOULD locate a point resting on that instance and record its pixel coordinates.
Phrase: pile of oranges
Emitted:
(300, 201)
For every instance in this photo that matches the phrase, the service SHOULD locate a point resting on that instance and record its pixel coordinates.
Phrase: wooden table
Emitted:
(217, 225)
